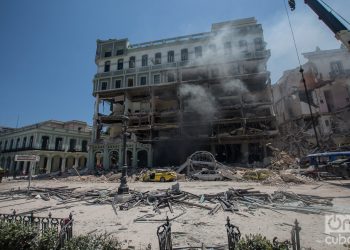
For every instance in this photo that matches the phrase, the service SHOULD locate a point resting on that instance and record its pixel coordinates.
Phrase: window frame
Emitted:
(184, 55)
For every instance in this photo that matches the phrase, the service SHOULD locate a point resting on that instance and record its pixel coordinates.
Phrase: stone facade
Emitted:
(60, 145)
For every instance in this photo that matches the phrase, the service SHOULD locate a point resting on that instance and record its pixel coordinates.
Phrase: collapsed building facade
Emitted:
(208, 91)
(327, 76)
(60, 146)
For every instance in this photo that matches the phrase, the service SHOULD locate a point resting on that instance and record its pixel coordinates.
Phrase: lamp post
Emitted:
(123, 187)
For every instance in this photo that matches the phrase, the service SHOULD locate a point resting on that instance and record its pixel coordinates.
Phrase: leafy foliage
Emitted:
(87, 242)
(258, 242)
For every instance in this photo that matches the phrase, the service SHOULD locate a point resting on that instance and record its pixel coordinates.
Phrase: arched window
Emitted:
(132, 62)
(120, 64)
(107, 66)
(144, 60)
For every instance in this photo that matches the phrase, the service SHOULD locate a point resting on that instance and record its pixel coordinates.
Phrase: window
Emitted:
(243, 45)
(130, 82)
(171, 77)
(72, 144)
(58, 143)
(132, 62)
(337, 67)
(118, 84)
(45, 142)
(24, 142)
(103, 85)
(156, 79)
(107, 66)
(120, 64)
(259, 44)
(84, 146)
(143, 80)
(184, 54)
(144, 60)
(108, 53)
(170, 56)
(158, 58)
(327, 123)
(11, 144)
(228, 47)
(5, 146)
(120, 52)
(17, 143)
(198, 51)
(212, 48)
(31, 139)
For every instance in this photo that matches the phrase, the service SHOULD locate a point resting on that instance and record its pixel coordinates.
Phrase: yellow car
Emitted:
(161, 175)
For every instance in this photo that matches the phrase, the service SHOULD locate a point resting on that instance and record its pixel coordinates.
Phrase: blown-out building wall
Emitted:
(207, 91)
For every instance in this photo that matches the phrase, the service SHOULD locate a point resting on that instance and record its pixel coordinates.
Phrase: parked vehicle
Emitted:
(208, 175)
(327, 164)
(161, 175)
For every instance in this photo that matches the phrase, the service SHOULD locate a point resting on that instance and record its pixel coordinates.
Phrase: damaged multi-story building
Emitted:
(208, 91)
(327, 77)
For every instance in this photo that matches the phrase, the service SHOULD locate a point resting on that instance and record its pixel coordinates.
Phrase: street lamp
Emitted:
(123, 187)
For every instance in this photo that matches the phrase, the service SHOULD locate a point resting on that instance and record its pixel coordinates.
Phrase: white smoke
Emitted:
(198, 99)
(235, 87)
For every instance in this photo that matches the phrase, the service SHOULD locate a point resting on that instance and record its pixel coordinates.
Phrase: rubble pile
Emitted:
(282, 160)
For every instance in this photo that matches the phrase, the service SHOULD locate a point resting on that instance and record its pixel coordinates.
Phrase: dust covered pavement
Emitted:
(192, 228)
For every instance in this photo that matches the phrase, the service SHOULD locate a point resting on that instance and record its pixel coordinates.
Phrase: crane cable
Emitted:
(301, 70)
(332, 10)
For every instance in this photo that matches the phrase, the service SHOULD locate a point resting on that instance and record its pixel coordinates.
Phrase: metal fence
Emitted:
(63, 226)
(164, 236)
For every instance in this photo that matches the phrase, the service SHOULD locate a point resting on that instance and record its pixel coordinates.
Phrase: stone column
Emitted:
(105, 158)
(76, 162)
(63, 166)
(48, 165)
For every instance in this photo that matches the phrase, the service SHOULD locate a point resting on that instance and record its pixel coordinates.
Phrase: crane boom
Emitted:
(339, 29)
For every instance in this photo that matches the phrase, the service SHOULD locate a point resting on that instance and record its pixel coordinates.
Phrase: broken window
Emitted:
(72, 144)
(158, 58)
(58, 143)
(84, 146)
(198, 51)
(120, 64)
(143, 80)
(184, 54)
(259, 44)
(130, 82)
(170, 56)
(107, 66)
(228, 47)
(171, 77)
(144, 60)
(108, 53)
(243, 45)
(118, 84)
(156, 79)
(45, 142)
(132, 62)
(103, 85)
(24, 142)
(120, 52)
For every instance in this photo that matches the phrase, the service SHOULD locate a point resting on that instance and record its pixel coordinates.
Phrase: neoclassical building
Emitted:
(60, 145)
(208, 91)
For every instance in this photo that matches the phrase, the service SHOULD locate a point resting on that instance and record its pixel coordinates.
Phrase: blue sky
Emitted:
(47, 47)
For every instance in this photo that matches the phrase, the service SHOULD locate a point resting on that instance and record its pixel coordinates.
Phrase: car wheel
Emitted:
(162, 179)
